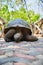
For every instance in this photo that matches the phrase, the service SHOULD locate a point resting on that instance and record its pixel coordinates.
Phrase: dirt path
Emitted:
(22, 53)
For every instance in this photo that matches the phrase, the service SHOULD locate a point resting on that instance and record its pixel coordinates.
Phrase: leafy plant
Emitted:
(29, 16)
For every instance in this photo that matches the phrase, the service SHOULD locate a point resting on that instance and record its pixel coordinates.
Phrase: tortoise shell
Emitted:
(17, 23)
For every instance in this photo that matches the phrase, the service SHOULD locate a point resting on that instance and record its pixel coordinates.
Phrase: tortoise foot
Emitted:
(7, 40)
(9, 35)
(31, 38)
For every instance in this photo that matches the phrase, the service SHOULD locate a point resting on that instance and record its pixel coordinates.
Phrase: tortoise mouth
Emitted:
(18, 28)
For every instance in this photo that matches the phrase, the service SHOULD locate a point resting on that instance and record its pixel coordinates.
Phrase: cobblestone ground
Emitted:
(22, 53)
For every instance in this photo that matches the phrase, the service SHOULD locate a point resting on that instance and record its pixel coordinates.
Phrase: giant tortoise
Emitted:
(18, 30)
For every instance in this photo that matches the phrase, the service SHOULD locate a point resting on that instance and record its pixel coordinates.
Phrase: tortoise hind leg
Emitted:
(9, 35)
(31, 38)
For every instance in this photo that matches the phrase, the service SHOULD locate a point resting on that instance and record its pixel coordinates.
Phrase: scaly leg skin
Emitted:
(9, 35)
(7, 39)
(31, 38)
(18, 36)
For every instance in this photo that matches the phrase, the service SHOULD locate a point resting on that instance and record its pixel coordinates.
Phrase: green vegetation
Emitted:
(29, 16)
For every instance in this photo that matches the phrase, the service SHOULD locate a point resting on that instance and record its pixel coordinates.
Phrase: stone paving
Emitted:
(22, 53)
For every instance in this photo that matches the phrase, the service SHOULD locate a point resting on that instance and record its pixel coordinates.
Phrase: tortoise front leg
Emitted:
(31, 38)
(7, 39)
(9, 35)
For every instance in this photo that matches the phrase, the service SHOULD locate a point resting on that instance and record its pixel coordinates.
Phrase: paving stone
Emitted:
(39, 62)
(22, 53)
(13, 59)
(19, 63)
(9, 63)
(2, 52)
(31, 51)
(39, 56)
(8, 54)
(39, 49)
(34, 52)
(24, 56)
(40, 39)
